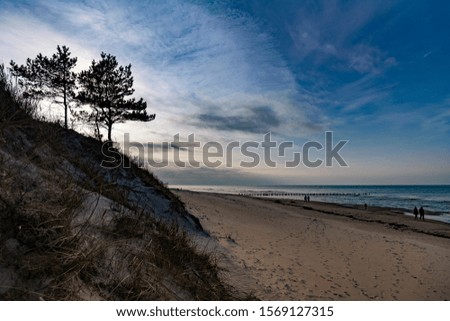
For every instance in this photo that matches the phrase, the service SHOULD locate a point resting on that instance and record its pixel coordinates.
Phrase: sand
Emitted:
(292, 250)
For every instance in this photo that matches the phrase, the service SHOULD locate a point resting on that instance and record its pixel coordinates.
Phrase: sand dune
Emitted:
(291, 250)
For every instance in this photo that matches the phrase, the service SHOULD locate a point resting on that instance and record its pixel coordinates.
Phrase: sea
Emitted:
(433, 198)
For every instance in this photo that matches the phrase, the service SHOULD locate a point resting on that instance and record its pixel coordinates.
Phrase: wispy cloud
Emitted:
(197, 66)
(360, 93)
(428, 53)
(25, 34)
(330, 30)
(179, 50)
(439, 122)
(218, 57)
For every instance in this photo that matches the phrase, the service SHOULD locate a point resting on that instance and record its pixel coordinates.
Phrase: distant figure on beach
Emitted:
(416, 212)
(365, 206)
(422, 214)
(306, 198)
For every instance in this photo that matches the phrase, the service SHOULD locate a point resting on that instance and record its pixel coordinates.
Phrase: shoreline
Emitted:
(433, 215)
(397, 213)
(281, 249)
(435, 199)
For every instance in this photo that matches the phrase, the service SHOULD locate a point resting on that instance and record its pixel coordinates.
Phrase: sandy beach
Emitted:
(293, 250)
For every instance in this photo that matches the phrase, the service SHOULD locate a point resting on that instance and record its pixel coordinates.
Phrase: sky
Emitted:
(374, 73)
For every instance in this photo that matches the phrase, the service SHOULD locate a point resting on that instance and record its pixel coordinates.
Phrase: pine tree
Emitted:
(104, 88)
(49, 77)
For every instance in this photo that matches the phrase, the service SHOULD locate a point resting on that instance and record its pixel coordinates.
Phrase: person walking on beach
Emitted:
(416, 212)
(422, 214)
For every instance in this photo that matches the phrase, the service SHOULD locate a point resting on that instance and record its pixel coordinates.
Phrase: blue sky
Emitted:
(376, 73)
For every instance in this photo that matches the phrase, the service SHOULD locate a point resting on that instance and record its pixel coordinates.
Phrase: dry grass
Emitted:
(55, 247)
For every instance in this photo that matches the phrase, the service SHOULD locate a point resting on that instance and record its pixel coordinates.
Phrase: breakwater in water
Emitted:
(286, 194)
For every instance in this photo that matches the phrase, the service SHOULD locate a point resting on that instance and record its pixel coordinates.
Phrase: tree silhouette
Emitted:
(104, 87)
(49, 77)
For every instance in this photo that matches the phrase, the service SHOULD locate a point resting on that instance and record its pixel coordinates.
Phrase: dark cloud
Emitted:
(253, 120)
(156, 146)
(211, 176)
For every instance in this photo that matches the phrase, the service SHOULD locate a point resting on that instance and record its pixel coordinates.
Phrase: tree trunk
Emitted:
(110, 123)
(65, 98)
(97, 128)
(65, 111)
